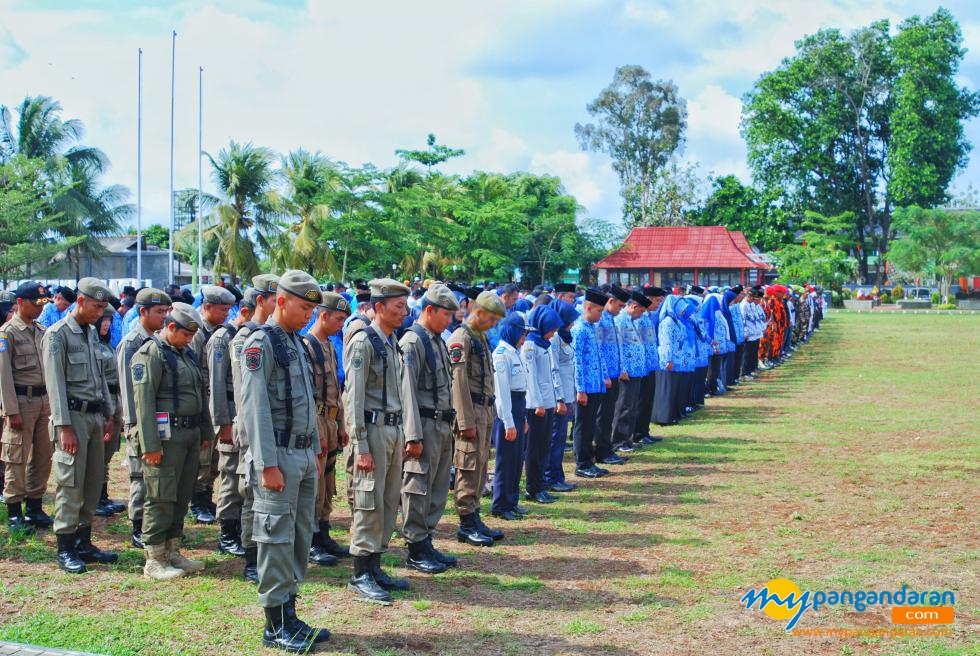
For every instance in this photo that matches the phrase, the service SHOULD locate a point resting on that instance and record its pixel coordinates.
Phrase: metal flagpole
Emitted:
(200, 176)
(139, 168)
(170, 256)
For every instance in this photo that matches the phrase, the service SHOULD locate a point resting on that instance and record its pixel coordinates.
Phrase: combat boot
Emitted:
(229, 541)
(68, 559)
(422, 560)
(471, 533)
(282, 634)
(315, 634)
(330, 545)
(137, 537)
(157, 567)
(319, 555)
(176, 559)
(445, 559)
(16, 521)
(362, 582)
(200, 509)
(88, 552)
(495, 534)
(251, 571)
(35, 514)
(383, 579)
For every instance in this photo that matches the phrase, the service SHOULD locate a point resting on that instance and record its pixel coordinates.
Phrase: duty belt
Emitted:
(85, 406)
(30, 391)
(298, 441)
(438, 415)
(186, 421)
(483, 399)
(386, 418)
(324, 410)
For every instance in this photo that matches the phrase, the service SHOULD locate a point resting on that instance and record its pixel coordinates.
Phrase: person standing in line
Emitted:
(591, 384)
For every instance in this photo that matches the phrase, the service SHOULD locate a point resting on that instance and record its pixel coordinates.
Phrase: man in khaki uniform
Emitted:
(373, 406)
(81, 420)
(278, 412)
(103, 327)
(26, 441)
(217, 355)
(428, 429)
(173, 425)
(215, 304)
(334, 309)
(263, 297)
(153, 305)
(473, 399)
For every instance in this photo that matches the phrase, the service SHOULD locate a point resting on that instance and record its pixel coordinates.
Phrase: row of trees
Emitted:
(839, 135)
(299, 210)
(340, 222)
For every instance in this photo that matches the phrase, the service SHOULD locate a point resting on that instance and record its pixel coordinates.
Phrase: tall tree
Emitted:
(309, 179)
(842, 122)
(741, 207)
(435, 153)
(247, 210)
(640, 123)
(941, 242)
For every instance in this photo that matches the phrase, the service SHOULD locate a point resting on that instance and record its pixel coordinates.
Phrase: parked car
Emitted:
(920, 293)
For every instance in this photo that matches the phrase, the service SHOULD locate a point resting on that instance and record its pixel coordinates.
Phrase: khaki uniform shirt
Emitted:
(73, 368)
(20, 361)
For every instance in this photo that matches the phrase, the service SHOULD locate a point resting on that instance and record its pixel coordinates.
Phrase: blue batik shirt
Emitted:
(648, 334)
(609, 344)
(631, 346)
(590, 370)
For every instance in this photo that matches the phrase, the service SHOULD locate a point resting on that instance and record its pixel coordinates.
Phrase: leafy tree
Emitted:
(674, 195)
(309, 178)
(820, 256)
(743, 207)
(156, 235)
(940, 242)
(434, 154)
(640, 123)
(842, 125)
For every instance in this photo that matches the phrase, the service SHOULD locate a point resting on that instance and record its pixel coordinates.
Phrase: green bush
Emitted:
(946, 306)
(898, 292)
(934, 297)
(885, 298)
(836, 300)
(846, 294)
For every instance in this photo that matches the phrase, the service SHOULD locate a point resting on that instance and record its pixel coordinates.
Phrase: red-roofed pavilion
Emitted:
(685, 255)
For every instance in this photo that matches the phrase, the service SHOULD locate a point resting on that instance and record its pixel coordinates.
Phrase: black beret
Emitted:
(654, 292)
(619, 293)
(595, 296)
(564, 287)
(641, 299)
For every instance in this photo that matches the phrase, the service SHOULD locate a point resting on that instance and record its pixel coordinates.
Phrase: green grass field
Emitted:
(854, 466)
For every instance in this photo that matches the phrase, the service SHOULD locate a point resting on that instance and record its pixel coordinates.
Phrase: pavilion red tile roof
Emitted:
(684, 247)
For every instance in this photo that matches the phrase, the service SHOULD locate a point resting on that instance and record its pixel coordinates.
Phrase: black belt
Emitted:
(30, 390)
(298, 441)
(113, 389)
(438, 415)
(386, 418)
(187, 421)
(85, 406)
(483, 399)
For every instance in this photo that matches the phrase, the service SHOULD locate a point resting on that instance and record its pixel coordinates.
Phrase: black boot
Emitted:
(362, 582)
(316, 635)
(88, 552)
(471, 533)
(115, 507)
(137, 537)
(209, 501)
(445, 559)
(68, 559)
(35, 514)
(104, 509)
(16, 521)
(383, 579)
(318, 554)
(200, 510)
(330, 545)
(422, 560)
(230, 541)
(486, 530)
(251, 571)
(281, 633)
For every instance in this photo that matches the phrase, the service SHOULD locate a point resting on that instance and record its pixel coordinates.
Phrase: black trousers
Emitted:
(685, 393)
(735, 370)
(536, 457)
(644, 412)
(584, 430)
(714, 372)
(665, 398)
(751, 362)
(604, 428)
(698, 386)
(627, 405)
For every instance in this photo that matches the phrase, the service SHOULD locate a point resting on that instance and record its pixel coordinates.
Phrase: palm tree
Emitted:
(309, 178)
(248, 208)
(88, 210)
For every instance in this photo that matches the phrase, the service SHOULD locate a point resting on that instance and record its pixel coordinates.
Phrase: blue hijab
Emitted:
(511, 329)
(726, 312)
(568, 315)
(521, 305)
(544, 320)
(707, 311)
(676, 308)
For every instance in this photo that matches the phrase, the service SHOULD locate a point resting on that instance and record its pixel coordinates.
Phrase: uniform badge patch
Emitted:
(253, 358)
(455, 353)
(3, 343)
(218, 355)
(139, 373)
(356, 362)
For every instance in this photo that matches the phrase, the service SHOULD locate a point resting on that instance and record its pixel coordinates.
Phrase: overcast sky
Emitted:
(505, 80)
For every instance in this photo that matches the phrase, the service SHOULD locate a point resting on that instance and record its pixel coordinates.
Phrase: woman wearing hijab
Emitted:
(733, 315)
(544, 399)
(701, 350)
(103, 329)
(564, 355)
(676, 358)
(509, 435)
(716, 331)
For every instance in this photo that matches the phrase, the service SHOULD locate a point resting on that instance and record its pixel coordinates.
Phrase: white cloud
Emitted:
(586, 176)
(714, 114)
